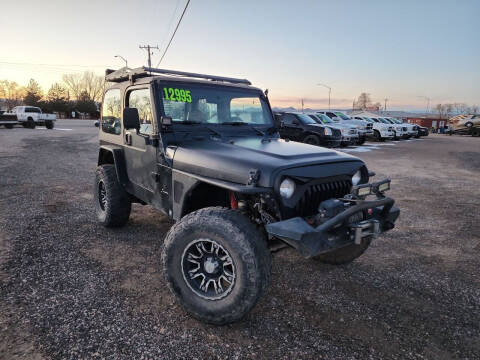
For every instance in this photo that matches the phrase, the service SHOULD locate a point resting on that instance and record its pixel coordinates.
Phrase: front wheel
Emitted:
(217, 264)
(49, 125)
(378, 137)
(112, 203)
(345, 254)
(312, 140)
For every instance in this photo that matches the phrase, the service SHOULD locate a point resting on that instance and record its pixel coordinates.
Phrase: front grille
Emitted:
(315, 194)
(352, 131)
(369, 126)
(336, 133)
(390, 128)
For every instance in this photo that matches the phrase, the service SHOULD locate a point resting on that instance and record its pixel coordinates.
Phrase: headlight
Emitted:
(287, 188)
(342, 130)
(359, 127)
(356, 178)
(327, 131)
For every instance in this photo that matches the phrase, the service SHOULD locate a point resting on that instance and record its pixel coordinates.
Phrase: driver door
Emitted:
(139, 149)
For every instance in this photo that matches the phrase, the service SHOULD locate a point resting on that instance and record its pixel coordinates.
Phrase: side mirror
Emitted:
(131, 120)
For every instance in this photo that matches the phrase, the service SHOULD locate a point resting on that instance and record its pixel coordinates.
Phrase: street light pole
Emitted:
(121, 57)
(329, 92)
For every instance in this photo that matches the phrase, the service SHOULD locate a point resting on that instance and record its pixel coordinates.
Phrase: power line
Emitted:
(176, 28)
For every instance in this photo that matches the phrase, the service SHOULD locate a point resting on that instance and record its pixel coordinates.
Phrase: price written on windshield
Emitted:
(174, 94)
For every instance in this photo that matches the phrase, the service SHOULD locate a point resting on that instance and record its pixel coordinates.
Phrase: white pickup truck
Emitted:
(31, 116)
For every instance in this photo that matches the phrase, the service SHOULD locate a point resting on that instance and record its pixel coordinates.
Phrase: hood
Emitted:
(353, 122)
(233, 160)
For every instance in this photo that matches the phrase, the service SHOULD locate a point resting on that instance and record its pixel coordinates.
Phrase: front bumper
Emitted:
(336, 232)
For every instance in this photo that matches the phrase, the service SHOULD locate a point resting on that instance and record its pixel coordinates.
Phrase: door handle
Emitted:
(128, 138)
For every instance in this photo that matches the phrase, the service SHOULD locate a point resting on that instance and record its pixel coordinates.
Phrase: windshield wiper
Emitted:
(234, 123)
(189, 122)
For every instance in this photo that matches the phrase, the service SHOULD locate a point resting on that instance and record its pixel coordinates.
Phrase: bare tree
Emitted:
(443, 110)
(86, 83)
(93, 85)
(73, 82)
(12, 93)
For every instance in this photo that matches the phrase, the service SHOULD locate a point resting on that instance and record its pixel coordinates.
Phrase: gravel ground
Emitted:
(70, 289)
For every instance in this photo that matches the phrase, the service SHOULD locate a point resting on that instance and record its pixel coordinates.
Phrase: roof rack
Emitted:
(125, 73)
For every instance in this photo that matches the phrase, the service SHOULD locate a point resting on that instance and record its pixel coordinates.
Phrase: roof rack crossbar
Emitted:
(125, 74)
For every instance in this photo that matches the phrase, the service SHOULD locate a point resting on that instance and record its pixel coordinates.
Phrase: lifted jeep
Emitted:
(204, 150)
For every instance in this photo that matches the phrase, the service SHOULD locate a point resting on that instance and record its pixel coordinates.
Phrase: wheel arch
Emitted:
(114, 156)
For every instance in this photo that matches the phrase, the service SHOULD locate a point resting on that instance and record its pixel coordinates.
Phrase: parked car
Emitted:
(349, 132)
(363, 127)
(422, 131)
(302, 128)
(233, 188)
(8, 120)
(399, 130)
(31, 116)
(412, 129)
(381, 129)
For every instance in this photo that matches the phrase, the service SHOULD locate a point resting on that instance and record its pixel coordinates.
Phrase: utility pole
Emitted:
(149, 52)
(385, 107)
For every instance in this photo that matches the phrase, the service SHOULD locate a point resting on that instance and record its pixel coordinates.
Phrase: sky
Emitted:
(400, 50)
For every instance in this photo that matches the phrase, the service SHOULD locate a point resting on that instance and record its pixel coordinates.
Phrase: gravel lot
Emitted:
(71, 289)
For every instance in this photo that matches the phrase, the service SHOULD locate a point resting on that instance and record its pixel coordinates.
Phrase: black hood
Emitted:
(233, 160)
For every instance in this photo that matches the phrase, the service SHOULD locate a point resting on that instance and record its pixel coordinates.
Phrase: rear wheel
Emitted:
(112, 202)
(217, 264)
(345, 254)
(49, 124)
(312, 140)
(30, 123)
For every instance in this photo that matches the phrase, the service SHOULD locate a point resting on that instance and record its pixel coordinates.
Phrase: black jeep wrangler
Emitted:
(204, 151)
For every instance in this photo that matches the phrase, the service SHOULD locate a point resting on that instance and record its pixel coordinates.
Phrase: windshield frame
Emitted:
(249, 92)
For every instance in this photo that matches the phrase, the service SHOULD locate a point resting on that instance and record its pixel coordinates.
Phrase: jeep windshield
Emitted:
(188, 104)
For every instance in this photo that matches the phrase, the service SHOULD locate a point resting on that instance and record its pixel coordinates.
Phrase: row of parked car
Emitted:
(337, 129)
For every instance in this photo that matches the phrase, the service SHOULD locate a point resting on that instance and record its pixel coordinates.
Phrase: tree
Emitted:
(363, 101)
(33, 93)
(57, 98)
(12, 93)
(443, 110)
(86, 83)
(86, 105)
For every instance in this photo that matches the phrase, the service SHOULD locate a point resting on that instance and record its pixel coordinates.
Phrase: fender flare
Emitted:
(118, 159)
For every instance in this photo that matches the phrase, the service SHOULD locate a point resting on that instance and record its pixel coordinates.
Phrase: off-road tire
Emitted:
(49, 125)
(30, 123)
(116, 209)
(345, 254)
(9, 126)
(247, 248)
(312, 140)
